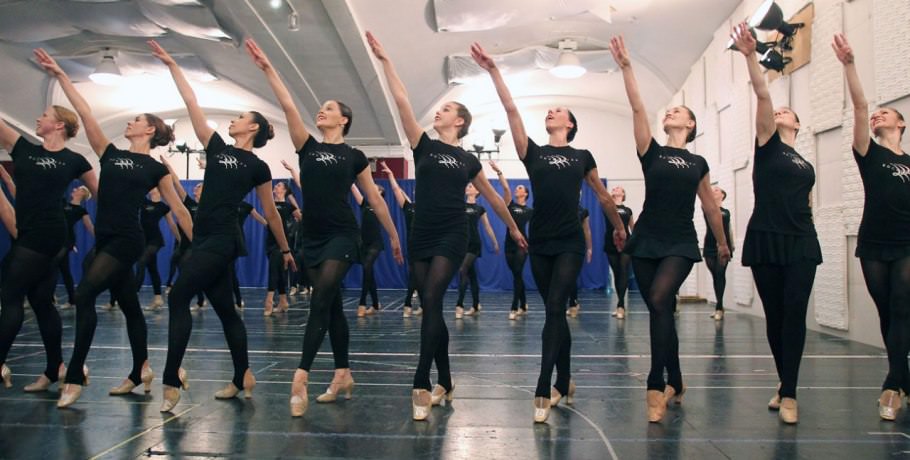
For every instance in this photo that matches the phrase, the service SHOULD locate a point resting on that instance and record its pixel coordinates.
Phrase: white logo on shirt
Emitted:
(47, 163)
(326, 158)
(797, 160)
(559, 161)
(228, 161)
(679, 162)
(124, 163)
(899, 170)
(446, 160)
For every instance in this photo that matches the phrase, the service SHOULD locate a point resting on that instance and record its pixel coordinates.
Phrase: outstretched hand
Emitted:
(519, 239)
(48, 63)
(743, 39)
(161, 53)
(396, 251)
(482, 58)
(619, 52)
(619, 238)
(289, 262)
(385, 168)
(495, 167)
(842, 49)
(259, 58)
(376, 47)
(287, 165)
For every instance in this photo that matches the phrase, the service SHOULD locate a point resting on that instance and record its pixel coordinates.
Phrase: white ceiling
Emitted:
(327, 57)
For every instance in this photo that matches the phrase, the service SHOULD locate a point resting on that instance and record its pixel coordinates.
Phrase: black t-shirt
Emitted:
(230, 173)
(126, 179)
(556, 174)
(521, 214)
(781, 181)
(149, 216)
(409, 209)
(625, 214)
(286, 211)
(474, 211)
(41, 178)
(191, 206)
(710, 241)
(886, 181)
(672, 176)
(369, 225)
(443, 171)
(582, 214)
(326, 174)
(72, 213)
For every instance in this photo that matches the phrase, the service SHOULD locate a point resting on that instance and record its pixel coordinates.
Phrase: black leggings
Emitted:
(412, 285)
(209, 272)
(555, 276)
(326, 315)
(433, 276)
(784, 291)
(300, 277)
(179, 255)
(28, 273)
(468, 273)
(278, 276)
(889, 286)
(619, 263)
(369, 278)
(516, 262)
(67, 275)
(235, 283)
(107, 272)
(149, 259)
(719, 275)
(659, 281)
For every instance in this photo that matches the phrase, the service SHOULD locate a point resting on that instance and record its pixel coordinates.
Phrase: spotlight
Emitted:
(107, 73)
(769, 16)
(760, 47)
(497, 135)
(275, 4)
(568, 65)
(773, 60)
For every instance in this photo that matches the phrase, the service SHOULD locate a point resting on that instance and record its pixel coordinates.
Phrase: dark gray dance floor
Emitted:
(727, 367)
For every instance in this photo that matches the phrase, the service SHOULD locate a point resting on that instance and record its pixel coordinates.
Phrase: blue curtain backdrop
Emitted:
(492, 270)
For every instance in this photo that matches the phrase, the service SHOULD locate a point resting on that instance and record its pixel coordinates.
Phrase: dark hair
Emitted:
(164, 134)
(347, 113)
(723, 192)
(266, 131)
(574, 130)
(287, 189)
(691, 136)
(900, 116)
(465, 115)
(69, 119)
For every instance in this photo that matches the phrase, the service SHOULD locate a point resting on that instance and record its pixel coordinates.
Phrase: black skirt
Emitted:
(881, 252)
(338, 247)
(556, 247)
(126, 250)
(452, 244)
(649, 247)
(768, 248)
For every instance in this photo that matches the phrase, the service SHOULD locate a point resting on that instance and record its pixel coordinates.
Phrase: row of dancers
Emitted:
(780, 247)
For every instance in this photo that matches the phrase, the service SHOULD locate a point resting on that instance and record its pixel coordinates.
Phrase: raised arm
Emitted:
(264, 192)
(860, 106)
(608, 206)
(181, 192)
(400, 197)
(506, 191)
(412, 129)
(519, 136)
(589, 245)
(197, 116)
(8, 180)
(8, 216)
(365, 181)
(764, 111)
(714, 218)
(486, 190)
(358, 197)
(96, 137)
(294, 173)
(8, 136)
(640, 124)
(299, 134)
(172, 198)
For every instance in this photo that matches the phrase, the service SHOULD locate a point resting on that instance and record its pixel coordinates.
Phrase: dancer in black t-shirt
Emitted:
(300, 279)
(664, 245)
(557, 242)
(231, 172)
(780, 245)
(244, 210)
(371, 240)
(407, 208)
(331, 237)
(74, 212)
(150, 214)
(42, 173)
(521, 213)
(438, 242)
(278, 276)
(467, 273)
(584, 217)
(126, 177)
(183, 243)
(883, 243)
(619, 261)
(709, 252)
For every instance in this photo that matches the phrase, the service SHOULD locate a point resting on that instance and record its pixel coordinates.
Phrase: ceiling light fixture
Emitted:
(568, 64)
(769, 16)
(107, 73)
(275, 4)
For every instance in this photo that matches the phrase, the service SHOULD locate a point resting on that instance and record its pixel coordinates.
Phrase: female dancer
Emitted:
(665, 246)
(407, 207)
(619, 261)
(371, 239)
(557, 244)
(126, 177)
(230, 174)
(521, 213)
(438, 242)
(584, 218)
(781, 246)
(43, 172)
(74, 212)
(278, 276)
(467, 272)
(182, 249)
(149, 216)
(883, 245)
(301, 280)
(327, 170)
(244, 210)
(709, 252)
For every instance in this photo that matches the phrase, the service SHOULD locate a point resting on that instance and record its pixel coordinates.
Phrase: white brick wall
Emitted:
(827, 77)
(892, 66)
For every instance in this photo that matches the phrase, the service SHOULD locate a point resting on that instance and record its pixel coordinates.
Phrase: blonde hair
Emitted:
(86, 193)
(69, 119)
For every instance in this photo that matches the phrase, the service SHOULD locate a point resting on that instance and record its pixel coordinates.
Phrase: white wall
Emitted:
(879, 31)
